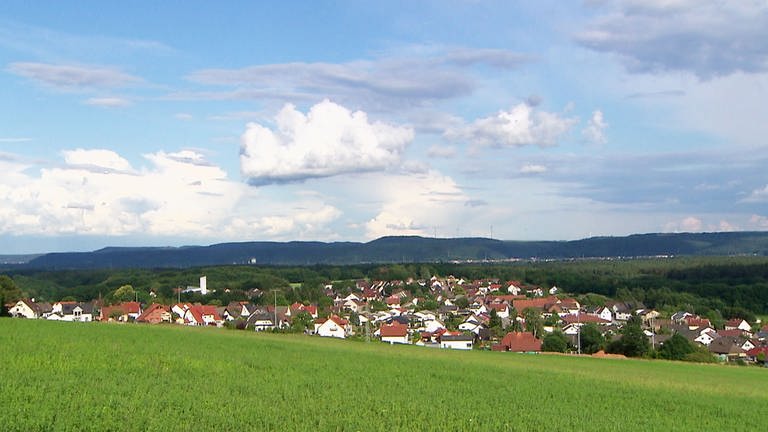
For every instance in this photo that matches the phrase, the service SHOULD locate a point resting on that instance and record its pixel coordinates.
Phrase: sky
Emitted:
(145, 123)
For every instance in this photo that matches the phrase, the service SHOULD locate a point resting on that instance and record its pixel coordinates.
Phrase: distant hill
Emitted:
(407, 249)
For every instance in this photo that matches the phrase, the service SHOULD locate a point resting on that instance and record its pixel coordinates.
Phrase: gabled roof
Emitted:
(584, 318)
(393, 330)
(725, 345)
(151, 310)
(521, 342)
(538, 303)
(335, 318)
(457, 338)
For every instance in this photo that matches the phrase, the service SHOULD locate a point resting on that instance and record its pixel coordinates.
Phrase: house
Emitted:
(202, 315)
(71, 311)
(756, 352)
(727, 347)
(457, 341)
(260, 321)
(123, 312)
(580, 319)
(155, 314)
(28, 308)
(519, 342)
(502, 309)
(604, 313)
(394, 333)
(333, 326)
(738, 324)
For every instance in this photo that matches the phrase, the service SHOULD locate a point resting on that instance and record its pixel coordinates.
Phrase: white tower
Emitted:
(203, 285)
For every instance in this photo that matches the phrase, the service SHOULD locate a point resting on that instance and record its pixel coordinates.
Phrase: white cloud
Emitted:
(758, 195)
(533, 169)
(14, 140)
(687, 224)
(594, 133)
(108, 102)
(416, 205)
(329, 140)
(179, 194)
(73, 77)
(97, 159)
(520, 126)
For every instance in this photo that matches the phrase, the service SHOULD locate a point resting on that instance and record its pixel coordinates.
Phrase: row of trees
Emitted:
(631, 343)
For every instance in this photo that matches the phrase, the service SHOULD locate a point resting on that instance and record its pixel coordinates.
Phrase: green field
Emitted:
(68, 376)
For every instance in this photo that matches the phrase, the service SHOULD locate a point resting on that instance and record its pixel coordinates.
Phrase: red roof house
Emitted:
(519, 342)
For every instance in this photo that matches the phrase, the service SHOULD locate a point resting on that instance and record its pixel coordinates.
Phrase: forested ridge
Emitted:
(408, 250)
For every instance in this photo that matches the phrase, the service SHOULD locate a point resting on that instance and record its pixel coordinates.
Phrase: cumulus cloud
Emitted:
(73, 77)
(329, 140)
(707, 39)
(96, 159)
(107, 102)
(594, 133)
(687, 224)
(416, 205)
(520, 126)
(177, 194)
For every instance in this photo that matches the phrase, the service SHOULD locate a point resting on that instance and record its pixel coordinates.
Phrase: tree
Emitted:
(301, 321)
(3, 309)
(592, 340)
(533, 321)
(633, 342)
(555, 342)
(10, 292)
(676, 347)
(461, 302)
(124, 293)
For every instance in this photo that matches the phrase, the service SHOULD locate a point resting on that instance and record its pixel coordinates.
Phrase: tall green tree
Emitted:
(533, 321)
(301, 321)
(124, 293)
(633, 342)
(591, 339)
(11, 293)
(555, 342)
(676, 347)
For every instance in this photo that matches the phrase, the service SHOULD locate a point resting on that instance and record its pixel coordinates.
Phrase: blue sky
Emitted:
(173, 123)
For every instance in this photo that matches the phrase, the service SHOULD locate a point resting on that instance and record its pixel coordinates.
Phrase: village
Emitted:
(457, 314)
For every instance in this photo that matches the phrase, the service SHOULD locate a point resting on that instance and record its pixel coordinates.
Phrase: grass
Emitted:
(67, 376)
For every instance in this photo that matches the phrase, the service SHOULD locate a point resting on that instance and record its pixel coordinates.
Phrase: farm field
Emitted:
(67, 376)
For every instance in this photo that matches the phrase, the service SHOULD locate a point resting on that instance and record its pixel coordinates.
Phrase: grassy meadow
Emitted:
(70, 376)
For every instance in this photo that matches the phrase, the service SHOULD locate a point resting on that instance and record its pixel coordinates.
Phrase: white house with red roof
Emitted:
(333, 326)
(201, 315)
(394, 333)
(738, 324)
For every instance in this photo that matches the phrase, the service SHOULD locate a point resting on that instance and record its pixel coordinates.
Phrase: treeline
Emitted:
(716, 286)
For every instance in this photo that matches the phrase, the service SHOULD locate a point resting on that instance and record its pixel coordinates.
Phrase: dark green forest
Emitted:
(717, 287)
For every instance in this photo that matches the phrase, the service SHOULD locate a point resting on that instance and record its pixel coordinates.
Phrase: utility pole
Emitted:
(578, 331)
(276, 325)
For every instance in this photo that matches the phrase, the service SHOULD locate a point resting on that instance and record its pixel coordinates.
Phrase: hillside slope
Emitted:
(138, 378)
